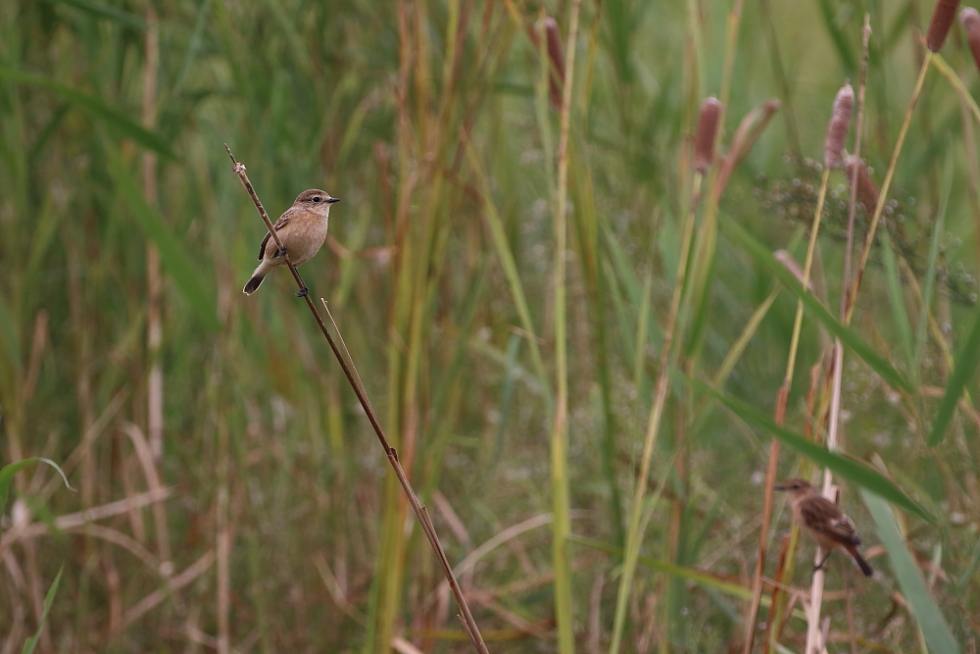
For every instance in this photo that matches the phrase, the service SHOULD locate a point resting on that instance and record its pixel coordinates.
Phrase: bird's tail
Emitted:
(253, 284)
(865, 568)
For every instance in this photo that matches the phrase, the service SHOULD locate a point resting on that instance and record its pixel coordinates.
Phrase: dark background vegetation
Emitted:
(125, 240)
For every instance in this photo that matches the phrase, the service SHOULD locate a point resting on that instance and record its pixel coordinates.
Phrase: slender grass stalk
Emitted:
(469, 623)
(561, 527)
(154, 329)
(817, 582)
(885, 187)
(833, 145)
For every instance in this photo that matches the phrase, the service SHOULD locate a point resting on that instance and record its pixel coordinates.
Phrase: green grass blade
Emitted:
(847, 336)
(935, 630)
(698, 577)
(95, 108)
(31, 642)
(99, 10)
(507, 395)
(509, 265)
(174, 254)
(929, 276)
(10, 337)
(844, 467)
(965, 367)
(828, 11)
(8, 471)
(896, 297)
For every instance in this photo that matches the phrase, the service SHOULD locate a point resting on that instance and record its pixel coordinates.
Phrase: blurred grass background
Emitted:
(129, 355)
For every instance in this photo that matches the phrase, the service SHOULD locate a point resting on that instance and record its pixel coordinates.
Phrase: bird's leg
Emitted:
(281, 252)
(819, 566)
(304, 291)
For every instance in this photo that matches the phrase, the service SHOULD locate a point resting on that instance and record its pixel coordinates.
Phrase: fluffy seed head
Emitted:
(840, 120)
(970, 18)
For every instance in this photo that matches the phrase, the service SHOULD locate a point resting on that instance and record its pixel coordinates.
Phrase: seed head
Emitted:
(704, 144)
(970, 18)
(556, 80)
(840, 120)
(942, 19)
(867, 190)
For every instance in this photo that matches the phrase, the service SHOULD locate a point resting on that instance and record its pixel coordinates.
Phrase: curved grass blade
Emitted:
(8, 471)
(844, 50)
(844, 467)
(179, 264)
(99, 10)
(966, 360)
(896, 298)
(965, 367)
(95, 108)
(703, 578)
(848, 337)
(935, 630)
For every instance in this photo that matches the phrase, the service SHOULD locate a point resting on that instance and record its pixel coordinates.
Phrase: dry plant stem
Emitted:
(771, 470)
(886, 185)
(470, 624)
(813, 633)
(223, 544)
(781, 400)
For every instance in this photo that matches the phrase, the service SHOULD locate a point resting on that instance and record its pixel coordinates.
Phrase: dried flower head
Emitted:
(704, 144)
(867, 190)
(970, 18)
(840, 120)
(942, 20)
(556, 80)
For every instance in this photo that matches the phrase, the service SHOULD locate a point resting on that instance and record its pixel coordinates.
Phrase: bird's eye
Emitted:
(316, 198)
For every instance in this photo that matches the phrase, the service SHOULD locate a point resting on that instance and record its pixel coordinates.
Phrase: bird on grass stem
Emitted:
(302, 229)
(824, 522)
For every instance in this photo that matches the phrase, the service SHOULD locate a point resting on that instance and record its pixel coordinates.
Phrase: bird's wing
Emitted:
(279, 225)
(824, 517)
(843, 529)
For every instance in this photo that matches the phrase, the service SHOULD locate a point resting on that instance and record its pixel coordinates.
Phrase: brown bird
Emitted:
(823, 521)
(302, 230)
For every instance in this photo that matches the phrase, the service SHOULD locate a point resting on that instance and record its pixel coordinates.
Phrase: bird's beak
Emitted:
(779, 487)
(332, 200)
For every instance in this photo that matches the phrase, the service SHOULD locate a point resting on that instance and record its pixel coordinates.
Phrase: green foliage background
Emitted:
(283, 530)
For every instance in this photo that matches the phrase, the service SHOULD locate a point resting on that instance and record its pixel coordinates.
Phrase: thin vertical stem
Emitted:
(883, 196)
(561, 527)
(813, 632)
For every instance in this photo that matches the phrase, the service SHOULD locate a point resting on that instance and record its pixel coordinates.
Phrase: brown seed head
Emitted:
(942, 19)
(867, 190)
(704, 145)
(840, 120)
(556, 80)
(970, 18)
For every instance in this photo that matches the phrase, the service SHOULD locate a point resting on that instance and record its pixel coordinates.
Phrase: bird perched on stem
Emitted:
(302, 230)
(823, 521)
